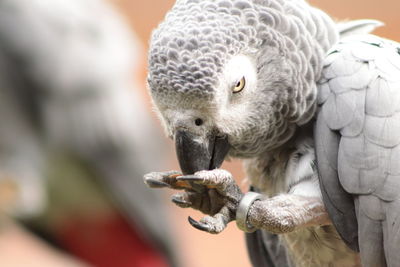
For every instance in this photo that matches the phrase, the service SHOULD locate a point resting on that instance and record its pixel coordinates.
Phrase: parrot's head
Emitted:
(225, 79)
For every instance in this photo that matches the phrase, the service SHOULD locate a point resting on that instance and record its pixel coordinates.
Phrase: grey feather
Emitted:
(391, 230)
(369, 143)
(371, 237)
(383, 93)
(383, 130)
(338, 202)
(362, 26)
(394, 167)
(340, 110)
(388, 189)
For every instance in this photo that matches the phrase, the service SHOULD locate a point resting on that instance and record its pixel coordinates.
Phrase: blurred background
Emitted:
(71, 71)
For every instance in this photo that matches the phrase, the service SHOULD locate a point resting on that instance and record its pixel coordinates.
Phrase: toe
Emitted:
(200, 226)
(181, 200)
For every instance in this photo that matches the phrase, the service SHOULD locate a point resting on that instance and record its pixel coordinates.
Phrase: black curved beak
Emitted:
(194, 155)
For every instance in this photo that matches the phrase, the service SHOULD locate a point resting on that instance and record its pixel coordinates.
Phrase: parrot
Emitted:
(68, 86)
(311, 107)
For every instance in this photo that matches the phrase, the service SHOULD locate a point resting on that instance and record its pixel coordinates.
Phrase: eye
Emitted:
(239, 85)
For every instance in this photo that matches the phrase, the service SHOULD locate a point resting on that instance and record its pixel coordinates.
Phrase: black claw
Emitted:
(189, 178)
(180, 202)
(156, 183)
(198, 225)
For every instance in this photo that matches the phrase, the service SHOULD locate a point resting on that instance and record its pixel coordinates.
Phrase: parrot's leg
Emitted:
(302, 205)
(287, 212)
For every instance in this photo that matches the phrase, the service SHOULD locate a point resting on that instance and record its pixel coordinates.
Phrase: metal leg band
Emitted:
(243, 210)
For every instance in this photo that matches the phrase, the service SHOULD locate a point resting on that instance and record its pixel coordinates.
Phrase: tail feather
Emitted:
(370, 233)
(362, 26)
(391, 233)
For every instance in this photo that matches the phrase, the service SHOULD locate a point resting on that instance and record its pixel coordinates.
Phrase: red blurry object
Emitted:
(108, 241)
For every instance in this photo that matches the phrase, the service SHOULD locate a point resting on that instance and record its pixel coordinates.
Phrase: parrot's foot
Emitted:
(212, 192)
(219, 199)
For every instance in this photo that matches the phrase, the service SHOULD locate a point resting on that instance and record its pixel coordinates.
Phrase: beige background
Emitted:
(227, 249)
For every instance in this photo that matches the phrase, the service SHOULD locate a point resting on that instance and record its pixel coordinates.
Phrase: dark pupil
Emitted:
(238, 84)
(198, 122)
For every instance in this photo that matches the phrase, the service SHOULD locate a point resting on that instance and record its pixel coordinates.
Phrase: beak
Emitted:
(194, 155)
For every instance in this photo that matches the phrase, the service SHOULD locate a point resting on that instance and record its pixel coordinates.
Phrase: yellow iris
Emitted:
(239, 86)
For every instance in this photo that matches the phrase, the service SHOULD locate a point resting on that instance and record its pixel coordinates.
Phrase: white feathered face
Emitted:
(226, 111)
(238, 112)
(256, 118)
(242, 107)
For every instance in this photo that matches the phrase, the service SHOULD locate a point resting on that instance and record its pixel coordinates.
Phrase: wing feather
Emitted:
(383, 94)
(383, 131)
(340, 204)
(359, 123)
(339, 110)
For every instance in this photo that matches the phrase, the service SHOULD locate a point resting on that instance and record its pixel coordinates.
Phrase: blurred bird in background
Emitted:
(75, 138)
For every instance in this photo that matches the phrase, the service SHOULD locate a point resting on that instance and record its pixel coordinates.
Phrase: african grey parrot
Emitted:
(67, 85)
(252, 79)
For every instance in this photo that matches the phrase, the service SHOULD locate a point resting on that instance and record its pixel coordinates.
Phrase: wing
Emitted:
(357, 139)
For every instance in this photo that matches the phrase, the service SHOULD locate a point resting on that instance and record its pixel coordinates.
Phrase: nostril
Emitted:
(198, 122)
